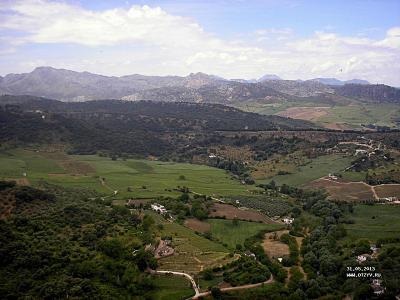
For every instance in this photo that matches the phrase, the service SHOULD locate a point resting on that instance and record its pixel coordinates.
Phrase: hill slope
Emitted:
(148, 128)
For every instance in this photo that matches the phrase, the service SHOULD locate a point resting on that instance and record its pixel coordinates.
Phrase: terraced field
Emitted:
(193, 253)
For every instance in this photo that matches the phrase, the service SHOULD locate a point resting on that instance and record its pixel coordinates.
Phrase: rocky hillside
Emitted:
(73, 86)
(376, 93)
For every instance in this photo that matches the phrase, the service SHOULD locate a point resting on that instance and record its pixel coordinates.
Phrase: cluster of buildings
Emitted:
(376, 283)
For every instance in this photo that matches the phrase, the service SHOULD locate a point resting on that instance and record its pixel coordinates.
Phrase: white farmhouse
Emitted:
(158, 208)
(288, 220)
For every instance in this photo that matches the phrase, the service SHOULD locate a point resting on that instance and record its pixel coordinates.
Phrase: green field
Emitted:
(171, 287)
(315, 169)
(145, 178)
(354, 115)
(373, 222)
(230, 234)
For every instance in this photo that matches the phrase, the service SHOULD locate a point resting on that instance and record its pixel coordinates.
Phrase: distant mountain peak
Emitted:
(268, 77)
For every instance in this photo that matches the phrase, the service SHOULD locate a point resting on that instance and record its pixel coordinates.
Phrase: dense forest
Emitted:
(59, 243)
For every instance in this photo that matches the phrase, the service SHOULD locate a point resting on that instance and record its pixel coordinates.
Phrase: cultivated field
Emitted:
(231, 212)
(344, 191)
(334, 117)
(388, 190)
(373, 222)
(197, 225)
(193, 253)
(304, 113)
(145, 179)
(232, 235)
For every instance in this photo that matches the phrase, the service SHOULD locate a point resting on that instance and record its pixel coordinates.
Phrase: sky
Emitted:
(294, 39)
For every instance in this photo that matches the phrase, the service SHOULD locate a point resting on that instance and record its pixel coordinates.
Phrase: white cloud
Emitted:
(148, 40)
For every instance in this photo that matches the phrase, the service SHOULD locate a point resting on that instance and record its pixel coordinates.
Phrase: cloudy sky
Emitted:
(295, 39)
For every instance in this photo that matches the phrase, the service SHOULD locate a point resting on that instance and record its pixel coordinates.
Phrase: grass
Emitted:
(146, 179)
(316, 168)
(373, 222)
(230, 234)
(354, 115)
(354, 176)
(171, 287)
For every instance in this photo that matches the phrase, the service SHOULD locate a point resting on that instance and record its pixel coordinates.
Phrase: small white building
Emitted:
(360, 151)
(158, 208)
(361, 258)
(288, 220)
(250, 254)
(212, 156)
(333, 177)
(374, 248)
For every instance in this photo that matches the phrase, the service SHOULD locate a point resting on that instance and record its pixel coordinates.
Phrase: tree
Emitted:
(216, 292)
(147, 222)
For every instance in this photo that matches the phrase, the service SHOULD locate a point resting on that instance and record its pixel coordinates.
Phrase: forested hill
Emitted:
(131, 127)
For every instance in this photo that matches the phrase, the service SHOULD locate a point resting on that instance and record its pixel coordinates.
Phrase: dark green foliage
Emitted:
(246, 270)
(293, 249)
(69, 247)
(6, 185)
(268, 205)
(389, 262)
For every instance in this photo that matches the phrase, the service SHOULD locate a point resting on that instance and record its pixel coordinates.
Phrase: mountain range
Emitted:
(71, 86)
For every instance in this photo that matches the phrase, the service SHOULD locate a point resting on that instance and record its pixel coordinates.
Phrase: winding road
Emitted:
(203, 294)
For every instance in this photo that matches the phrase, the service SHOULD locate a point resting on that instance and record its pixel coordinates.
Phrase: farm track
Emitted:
(196, 289)
(371, 187)
(235, 288)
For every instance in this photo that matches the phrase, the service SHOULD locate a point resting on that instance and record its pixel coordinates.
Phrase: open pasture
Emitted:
(169, 287)
(132, 178)
(235, 234)
(273, 247)
(373, 222)
(314, 169)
